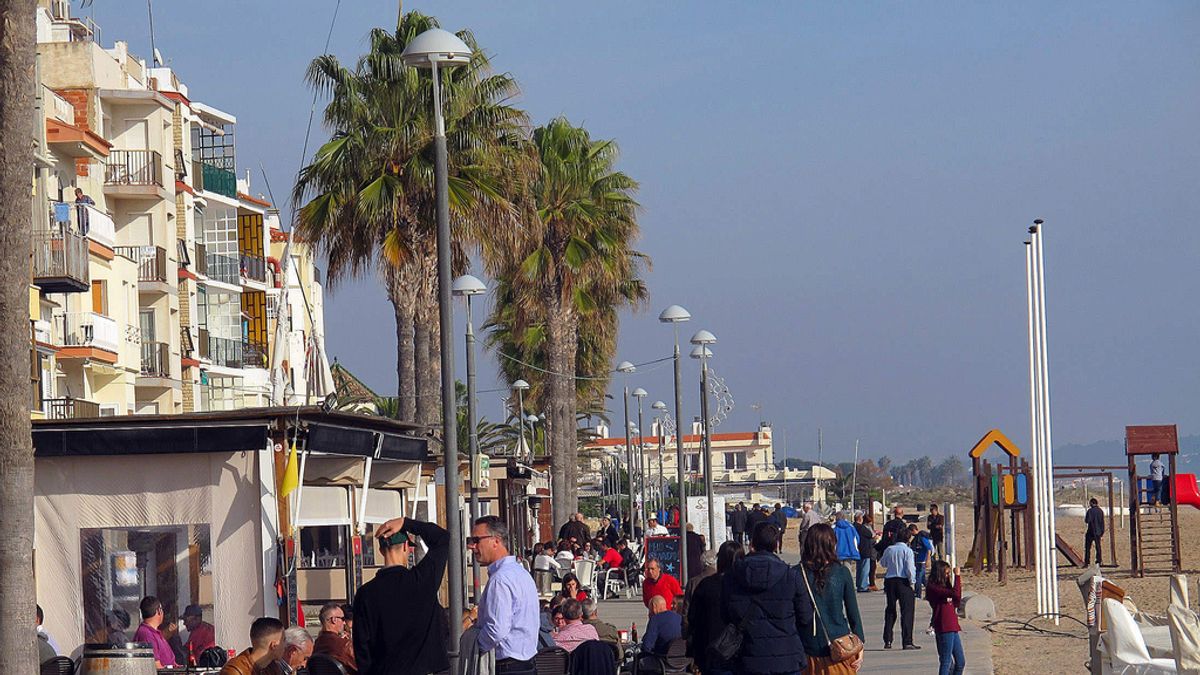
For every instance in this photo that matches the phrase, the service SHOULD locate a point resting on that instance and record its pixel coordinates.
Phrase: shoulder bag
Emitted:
(842, 648)
(727, 645)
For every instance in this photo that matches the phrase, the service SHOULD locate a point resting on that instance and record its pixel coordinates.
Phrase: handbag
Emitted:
(842, 648)
(727, 645)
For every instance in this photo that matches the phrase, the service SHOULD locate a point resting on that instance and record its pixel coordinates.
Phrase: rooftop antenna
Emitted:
(153, 52)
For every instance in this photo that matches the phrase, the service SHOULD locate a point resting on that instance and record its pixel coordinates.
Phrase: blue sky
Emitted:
(839, 191)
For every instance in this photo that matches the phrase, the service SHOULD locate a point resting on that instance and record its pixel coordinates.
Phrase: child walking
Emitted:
(944, 596)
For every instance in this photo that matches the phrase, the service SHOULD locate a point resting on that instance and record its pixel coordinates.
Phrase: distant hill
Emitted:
(1111, 452)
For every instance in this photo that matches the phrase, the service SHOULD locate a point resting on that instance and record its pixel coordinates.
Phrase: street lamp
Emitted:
(465, 287)
(626, 368)
(702, 339)
(433, 49)
(676, 315)
(661, 408)
(520, 386)
(640, 394)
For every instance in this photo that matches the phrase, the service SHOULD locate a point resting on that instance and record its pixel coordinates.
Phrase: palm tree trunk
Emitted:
(559, 399)
(424, 379)
(403, 301)
(18, 653)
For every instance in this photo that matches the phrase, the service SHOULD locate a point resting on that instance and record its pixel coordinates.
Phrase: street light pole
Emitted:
(468, 286)
(702, 339)
(640, 394)
(662, 441)
(430, 49)
(627, 368)
(676, 315)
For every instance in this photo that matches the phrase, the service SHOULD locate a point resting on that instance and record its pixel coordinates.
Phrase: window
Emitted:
(123, 565)
(735, 461)
(691, 462)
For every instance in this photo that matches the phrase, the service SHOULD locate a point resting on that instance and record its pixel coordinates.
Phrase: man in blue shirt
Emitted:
(508, 609)
(898, 586)
(922, 547)
(664, 627)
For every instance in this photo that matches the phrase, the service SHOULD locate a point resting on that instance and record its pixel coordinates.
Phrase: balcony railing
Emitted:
(253, 355)
(89, 329)
(85, 219)
(152, 263)
(201, 264)
(69, 408)
(254, 267)
(156, 359)
(224, 268)
(133, 167)
(60, 260)
(225, 352)
(205, 176)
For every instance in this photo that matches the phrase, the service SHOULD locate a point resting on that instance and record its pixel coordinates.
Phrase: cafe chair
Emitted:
(593, 658)
(322, 664)
(548, 661)
(59, 665)
(585, 570)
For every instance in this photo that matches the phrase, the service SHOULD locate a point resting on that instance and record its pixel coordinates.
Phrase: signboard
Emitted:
(698, 518)
(666, 551)
(483, 472)
(1149, 440)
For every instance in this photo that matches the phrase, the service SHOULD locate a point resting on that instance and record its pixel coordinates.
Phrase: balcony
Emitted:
(134, 174)
(60, 261)
(152, 269)
(211, 178)
(84, 219)
(156, 359)
(89, 329)
(225, 352)
(69, 408)
(253, 267)
(224, 268)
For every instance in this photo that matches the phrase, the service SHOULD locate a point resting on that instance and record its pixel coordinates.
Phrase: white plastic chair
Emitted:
(1124, 650)
(586, 571)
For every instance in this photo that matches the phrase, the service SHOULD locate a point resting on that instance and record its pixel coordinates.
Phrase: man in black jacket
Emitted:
(399, 626)
(890, 529)
(1094, 519)
(737, 522)
(762, 589)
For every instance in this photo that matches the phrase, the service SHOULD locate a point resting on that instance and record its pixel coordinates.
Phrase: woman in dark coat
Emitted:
(704, 622)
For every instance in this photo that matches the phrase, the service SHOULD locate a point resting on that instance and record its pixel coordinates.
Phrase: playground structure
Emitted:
(1003, 510)
(1153, 534)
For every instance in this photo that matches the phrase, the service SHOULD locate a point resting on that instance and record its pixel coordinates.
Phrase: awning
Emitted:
(324, 506)
(348, 471)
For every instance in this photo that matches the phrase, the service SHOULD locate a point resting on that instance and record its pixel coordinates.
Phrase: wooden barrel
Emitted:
(135, 658)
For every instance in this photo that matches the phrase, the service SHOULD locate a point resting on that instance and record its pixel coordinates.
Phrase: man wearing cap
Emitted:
(654, 529)
(201, 634)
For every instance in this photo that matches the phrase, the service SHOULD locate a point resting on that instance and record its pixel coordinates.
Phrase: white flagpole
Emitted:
(1047, 446)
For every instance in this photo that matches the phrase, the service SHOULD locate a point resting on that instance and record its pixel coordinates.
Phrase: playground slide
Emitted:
(1067, 550)
(1186, 492)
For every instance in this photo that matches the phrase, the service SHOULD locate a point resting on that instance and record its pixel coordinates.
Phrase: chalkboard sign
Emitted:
(666, 551)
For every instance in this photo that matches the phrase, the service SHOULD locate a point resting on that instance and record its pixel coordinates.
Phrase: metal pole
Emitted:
(629, 464)
(1039, 525)
(679, 464)
(662, 441)
(854, 475)
(521, 422)
(642, 465)
(708, 469)
(1047, 446)
(473, 434)
(449, 414)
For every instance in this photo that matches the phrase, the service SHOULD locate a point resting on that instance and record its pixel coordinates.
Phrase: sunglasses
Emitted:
(474, 541)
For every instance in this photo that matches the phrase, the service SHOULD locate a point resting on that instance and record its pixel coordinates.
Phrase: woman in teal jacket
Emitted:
(836, 599)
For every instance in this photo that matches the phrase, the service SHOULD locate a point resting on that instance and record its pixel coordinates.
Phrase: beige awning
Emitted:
(348, 471)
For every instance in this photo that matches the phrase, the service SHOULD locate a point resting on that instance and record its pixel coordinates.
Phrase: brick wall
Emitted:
(80, 100)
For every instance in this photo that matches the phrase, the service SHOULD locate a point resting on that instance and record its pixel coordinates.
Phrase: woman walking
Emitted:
(704, 622)
(944, 597)
(835, 600)
(869, 523)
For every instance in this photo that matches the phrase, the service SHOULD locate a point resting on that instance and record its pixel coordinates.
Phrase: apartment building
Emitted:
(150, 255)
(743, 463)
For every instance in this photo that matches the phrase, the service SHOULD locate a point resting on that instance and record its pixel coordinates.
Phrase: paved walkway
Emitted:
(976, 642)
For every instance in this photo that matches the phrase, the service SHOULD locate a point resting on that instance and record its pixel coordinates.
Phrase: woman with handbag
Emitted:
(704, 623)
(834, 641)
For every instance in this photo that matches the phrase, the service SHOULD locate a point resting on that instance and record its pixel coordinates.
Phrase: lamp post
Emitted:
(702, 339)
(676, 315)
(465, 287)
(661, 408)
(520, 386)
(640, 394)
(626, 368)
(433, 49)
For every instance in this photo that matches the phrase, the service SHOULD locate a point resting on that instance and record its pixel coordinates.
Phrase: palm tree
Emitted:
(370, 189)
(17, 131)
(574, 261)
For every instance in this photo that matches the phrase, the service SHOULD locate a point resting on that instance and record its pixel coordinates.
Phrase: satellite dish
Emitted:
(158, 59)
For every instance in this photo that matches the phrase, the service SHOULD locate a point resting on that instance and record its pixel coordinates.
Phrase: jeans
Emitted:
(950, 654)
(920, 580)
(1088, 540)
(898, 590)
(862, 578)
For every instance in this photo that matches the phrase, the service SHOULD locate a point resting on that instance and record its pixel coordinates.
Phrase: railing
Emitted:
(253, 355)
(201, 263)
(62, 108)
(225, 352)
(84, 219)
(69, 408)
(152, 263)
(89, 329)
(205, 176)
(60, 254)
(133, 253)
(223, 268)
(133, 167)
(254, 267)
(156, 359)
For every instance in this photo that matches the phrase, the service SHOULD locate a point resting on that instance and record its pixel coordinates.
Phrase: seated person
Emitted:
(664, 626)
(571, 588)
(610, 557)
(544, 560)
(266, 647)
(573, 631)
(333, 640)
(201, 634)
